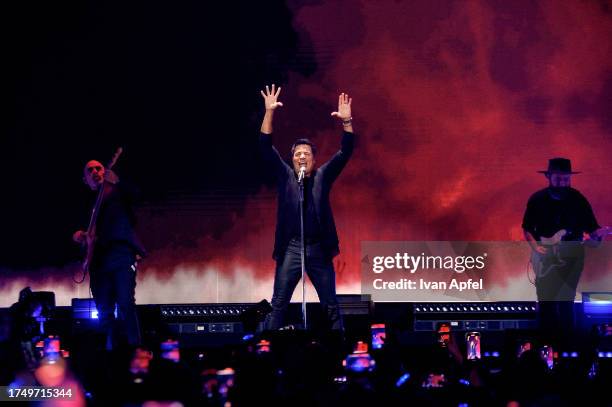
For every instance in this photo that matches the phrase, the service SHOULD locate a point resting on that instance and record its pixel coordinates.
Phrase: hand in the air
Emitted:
(79, 236)
(271, 97)
(344, 107)
(111, 176)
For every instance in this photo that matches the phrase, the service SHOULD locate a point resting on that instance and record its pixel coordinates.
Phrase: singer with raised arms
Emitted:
(302, 185)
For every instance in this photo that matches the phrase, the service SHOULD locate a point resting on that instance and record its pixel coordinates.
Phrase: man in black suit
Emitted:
(320, 236)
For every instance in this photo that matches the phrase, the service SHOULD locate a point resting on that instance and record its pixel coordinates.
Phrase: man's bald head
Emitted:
(93, 174)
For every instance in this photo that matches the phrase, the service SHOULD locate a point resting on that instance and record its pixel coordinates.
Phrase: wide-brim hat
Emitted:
(560, 166)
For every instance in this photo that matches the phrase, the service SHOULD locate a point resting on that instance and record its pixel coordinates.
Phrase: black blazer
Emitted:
(288, 194)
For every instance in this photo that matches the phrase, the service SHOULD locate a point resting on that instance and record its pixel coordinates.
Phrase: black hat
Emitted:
(559, 165)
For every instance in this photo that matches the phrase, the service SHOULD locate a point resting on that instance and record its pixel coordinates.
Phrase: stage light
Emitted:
(506, 308)
(403, 379)
(94, 313)
(192, 310)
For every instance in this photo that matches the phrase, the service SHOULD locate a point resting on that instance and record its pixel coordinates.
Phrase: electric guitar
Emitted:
(552, 261)
(91, 229)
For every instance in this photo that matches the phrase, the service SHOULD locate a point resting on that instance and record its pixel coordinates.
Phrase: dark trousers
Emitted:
(113, 281)
(557, 277)
(320, 270)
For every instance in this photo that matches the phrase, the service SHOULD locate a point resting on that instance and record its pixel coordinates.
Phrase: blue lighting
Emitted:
(403, 379)
(599, 307)
(564, 354)
(464, 382)
(495, 354)
(94, 313)
(597, 303)
(574, 354)
(247, 337)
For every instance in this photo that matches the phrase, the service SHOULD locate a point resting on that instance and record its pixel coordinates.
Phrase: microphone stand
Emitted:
(302, 248)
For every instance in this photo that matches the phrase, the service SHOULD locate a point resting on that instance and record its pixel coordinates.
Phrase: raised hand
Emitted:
(79, 236)
(344, 107)
(82, 237)
(111, 176)
(271, 97)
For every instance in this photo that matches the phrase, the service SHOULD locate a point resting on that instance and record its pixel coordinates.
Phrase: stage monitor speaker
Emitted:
(85, 315)
(480, 316)
(212, 324)
(597, 315)
(355, 304)
(597, 304)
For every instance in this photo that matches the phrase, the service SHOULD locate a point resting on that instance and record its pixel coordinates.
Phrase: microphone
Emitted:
(302, 173)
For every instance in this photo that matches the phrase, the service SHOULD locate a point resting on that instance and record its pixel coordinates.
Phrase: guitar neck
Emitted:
(96, 209)
(100, 197)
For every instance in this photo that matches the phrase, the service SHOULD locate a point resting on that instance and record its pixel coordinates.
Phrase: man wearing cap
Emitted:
(557, 224)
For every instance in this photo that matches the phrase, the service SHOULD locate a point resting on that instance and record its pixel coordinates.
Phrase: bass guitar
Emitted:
(91, 228)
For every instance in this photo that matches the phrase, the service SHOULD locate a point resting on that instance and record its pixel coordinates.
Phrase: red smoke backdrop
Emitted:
(456, 105)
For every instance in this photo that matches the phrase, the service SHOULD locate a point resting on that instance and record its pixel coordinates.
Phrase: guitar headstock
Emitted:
(554, 239)
(113, 160)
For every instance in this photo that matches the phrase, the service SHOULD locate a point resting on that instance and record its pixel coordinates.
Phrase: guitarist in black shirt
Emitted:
(115, 249)
(557, 224)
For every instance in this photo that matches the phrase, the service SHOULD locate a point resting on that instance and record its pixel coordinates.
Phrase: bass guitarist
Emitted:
(557, 224)
(115, 247)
